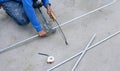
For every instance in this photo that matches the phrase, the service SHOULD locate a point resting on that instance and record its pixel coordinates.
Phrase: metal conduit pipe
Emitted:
(96, 44)
(83, 53)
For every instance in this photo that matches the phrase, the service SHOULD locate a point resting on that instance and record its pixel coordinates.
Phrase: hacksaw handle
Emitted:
(53, 16)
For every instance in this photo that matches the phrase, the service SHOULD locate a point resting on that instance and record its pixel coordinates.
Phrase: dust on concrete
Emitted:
(29, 67)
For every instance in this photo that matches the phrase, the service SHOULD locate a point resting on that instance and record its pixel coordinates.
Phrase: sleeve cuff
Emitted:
(47, 4)
(38, 28)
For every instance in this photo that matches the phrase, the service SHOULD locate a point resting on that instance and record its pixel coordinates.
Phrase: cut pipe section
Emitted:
(96, 44)
(83, 53)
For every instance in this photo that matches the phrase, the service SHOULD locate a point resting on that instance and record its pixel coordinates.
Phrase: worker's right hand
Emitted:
(50, 12)
(42, 33)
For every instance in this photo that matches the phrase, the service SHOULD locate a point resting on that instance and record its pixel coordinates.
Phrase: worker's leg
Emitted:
(46, 25)
(15, 10)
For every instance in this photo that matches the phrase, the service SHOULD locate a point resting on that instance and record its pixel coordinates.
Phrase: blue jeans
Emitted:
(15, 10)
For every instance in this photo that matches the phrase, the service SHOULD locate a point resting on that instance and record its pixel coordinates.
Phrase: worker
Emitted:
(22, 12)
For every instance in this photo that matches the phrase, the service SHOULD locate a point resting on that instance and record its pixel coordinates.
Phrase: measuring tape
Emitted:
(50, 59)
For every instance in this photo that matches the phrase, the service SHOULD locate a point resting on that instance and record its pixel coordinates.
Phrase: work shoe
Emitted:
(49, 29)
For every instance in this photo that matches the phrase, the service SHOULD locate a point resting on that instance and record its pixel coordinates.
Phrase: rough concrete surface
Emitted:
(105, 57)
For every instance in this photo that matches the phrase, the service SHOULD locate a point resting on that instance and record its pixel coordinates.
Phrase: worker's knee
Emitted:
(22, 22)
(19, 18)
(16, 11)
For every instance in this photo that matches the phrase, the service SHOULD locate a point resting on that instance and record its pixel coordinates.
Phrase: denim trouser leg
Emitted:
(16, 11)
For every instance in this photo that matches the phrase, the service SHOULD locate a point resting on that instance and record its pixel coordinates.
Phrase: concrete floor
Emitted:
(105, 57)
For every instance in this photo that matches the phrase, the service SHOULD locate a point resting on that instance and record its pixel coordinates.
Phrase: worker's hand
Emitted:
(50, 13)
(49, 10)
(42, 33)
